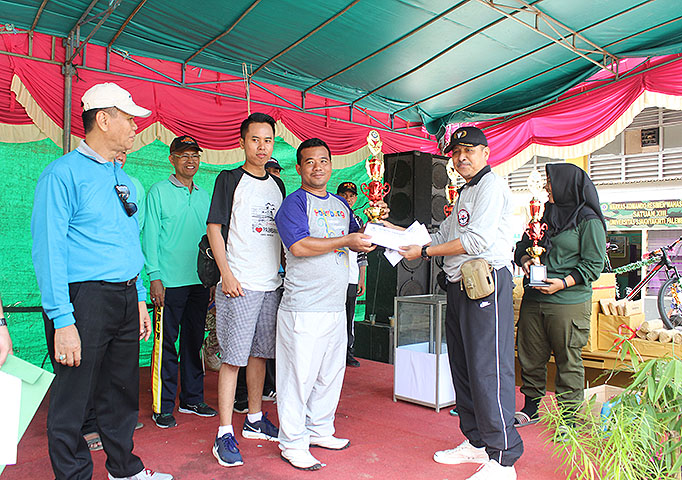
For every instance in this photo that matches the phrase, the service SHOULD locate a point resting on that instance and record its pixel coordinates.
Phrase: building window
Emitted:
(633, 156)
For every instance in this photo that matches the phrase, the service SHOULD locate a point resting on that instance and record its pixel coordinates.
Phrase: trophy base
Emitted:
(538, 276)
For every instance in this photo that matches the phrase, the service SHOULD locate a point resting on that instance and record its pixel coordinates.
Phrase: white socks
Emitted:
(254, 417)
(225, 429)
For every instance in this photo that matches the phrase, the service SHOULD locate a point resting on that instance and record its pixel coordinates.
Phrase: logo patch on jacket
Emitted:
(463, 218)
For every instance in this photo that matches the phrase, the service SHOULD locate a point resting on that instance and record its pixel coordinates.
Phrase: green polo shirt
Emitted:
(175, 220)
(580, 252)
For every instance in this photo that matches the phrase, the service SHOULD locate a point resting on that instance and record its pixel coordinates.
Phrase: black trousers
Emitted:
(480, 337)
(351, 297)
(184, 314)
(107, 320)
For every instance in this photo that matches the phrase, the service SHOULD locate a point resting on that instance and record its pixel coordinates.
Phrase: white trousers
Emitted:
(311, 361)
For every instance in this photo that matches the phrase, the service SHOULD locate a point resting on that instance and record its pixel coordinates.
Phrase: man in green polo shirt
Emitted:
(175, 220)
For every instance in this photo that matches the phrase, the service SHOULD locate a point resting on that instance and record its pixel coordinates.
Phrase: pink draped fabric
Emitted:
(574, 118)
(212, 119)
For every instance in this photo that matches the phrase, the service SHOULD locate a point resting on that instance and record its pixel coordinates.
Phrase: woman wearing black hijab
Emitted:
(555, 319)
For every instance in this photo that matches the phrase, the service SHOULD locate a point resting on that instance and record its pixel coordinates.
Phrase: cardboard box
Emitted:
(601, 394)
(517, 294)
(604, 287)
(605, 280)
(609, 325)
(656, 349)
(592, 341)
(645, 348)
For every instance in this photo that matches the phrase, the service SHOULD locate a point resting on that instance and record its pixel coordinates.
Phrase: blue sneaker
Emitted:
(263, 429)
(226, 452)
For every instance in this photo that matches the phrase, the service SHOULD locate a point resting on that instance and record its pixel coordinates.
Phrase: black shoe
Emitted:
(164, 420)
(352, 362)
(200, 409)
(241, 406)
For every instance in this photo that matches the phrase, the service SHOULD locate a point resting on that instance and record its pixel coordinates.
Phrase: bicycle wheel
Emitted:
(670, 302)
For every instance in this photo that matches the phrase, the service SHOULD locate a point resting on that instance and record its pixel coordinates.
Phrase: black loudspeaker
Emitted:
(381, 284)
(374, 342)
(413, 277)
(436, 267)
(418, 182)
(385, 282)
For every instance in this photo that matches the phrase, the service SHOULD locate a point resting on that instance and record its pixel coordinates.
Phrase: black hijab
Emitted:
(575, 199)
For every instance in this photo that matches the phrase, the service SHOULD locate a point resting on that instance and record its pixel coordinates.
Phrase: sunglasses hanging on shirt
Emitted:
(123, 194)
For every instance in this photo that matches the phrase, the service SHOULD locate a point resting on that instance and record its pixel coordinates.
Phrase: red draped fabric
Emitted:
(578, 116)
(212, 119)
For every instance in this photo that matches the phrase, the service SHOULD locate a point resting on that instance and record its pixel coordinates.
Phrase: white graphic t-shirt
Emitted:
(253, 245)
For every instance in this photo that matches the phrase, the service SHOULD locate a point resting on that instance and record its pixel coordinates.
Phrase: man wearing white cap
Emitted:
(87, 258)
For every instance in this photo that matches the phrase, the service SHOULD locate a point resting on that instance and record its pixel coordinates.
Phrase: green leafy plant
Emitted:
(640, 438)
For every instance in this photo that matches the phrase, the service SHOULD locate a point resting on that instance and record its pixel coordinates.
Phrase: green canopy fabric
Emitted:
(434, 61)
(149, 165)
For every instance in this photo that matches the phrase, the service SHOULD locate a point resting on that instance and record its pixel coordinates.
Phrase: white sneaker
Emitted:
(145, 474)
(491, 470)
(301, 459)
(330, 442)
(464, 453)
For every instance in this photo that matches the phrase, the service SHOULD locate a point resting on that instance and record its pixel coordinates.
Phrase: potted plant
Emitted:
(637, 435)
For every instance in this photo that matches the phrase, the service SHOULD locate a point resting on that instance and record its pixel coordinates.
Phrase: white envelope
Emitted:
(10, 387)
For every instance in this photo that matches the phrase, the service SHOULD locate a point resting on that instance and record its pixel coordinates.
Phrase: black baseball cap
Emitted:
(347, 187)
(184, 142)
(467, 136)
(273, 163)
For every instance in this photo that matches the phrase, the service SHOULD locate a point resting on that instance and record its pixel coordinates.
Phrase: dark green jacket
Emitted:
(579, 252)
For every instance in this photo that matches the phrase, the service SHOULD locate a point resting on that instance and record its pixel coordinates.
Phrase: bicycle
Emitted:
(669, 300)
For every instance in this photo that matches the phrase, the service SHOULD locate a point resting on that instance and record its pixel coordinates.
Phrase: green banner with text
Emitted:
(659, 213)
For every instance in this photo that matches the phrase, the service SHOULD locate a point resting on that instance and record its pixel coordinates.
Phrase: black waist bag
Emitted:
(208, 271)
(207, 268)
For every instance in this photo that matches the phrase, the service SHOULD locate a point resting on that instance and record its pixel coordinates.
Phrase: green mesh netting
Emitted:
(23, 163)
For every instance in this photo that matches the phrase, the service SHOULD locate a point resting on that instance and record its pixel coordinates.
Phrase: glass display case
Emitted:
(421, 366)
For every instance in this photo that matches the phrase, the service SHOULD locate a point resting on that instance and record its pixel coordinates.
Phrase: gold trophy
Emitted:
(536, 231)
(377, 189)
(451, 189)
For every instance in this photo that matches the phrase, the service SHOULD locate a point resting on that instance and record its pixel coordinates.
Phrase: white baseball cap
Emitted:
(105, 95)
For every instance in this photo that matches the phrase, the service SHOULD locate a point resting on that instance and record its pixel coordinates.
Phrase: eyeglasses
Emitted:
(187, 156)
(123, 193)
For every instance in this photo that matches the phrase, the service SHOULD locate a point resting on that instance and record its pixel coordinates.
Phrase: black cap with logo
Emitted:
(184, 142)
(467, 136)
(347, 187)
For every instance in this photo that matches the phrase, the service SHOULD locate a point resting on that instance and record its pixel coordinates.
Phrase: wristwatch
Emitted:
(425, 255)
(3, 322)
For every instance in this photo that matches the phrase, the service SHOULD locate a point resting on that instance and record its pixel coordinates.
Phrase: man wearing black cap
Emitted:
(480, 333)
(273, 167)
(176, 211)
(357, 265)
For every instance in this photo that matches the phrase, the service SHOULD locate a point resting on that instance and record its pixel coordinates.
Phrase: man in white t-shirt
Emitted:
(247, 248)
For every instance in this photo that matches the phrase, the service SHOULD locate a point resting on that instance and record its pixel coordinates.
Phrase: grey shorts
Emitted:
(246, 326)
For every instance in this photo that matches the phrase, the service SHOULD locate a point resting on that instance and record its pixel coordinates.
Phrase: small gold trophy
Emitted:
(377, 189)
(451, 189)
(536, 231)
